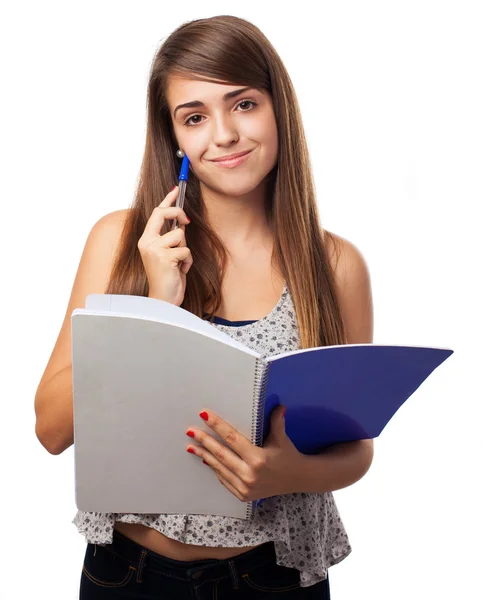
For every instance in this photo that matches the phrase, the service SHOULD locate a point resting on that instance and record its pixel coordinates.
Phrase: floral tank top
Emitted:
(306, 528)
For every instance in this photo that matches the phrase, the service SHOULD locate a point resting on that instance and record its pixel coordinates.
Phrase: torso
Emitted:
(250, 290)
(160, 543)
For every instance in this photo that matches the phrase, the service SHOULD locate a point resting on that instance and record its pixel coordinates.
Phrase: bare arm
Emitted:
(54, 426)
(342, 465)
(338, 467)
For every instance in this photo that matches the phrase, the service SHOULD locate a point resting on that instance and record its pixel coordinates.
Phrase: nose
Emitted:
(224, 130)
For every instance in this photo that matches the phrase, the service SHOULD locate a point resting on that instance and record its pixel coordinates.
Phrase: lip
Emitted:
(233, 162)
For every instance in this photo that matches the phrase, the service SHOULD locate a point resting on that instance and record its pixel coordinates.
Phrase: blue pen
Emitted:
(183, 179)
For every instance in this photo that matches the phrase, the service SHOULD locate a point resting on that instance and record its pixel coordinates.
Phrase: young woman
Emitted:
(250, 255)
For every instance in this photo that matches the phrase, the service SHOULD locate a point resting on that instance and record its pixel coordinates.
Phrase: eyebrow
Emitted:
(197, 103)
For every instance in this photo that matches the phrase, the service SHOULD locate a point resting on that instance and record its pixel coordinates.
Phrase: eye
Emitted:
(250, 102)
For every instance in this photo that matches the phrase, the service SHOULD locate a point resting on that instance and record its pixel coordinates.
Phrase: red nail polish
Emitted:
(204, 416)
(205, 463)
(190, 433)
(191, 451)
(189, 220)
(174, 188)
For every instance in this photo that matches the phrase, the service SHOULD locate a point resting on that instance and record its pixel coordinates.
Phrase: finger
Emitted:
(160, 215)
(231, 436)
(222, 472)
(182, 256)
(171, 198)
(225, 456)
(173, 239)
(186, 263)
(230, 488)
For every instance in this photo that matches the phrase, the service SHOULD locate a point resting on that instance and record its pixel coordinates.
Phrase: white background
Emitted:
(391, 97)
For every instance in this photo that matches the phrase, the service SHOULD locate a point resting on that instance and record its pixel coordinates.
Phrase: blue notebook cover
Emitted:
(343, 393)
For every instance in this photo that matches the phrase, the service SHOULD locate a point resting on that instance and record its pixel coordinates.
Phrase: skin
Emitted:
(251, 288)
(234, 199)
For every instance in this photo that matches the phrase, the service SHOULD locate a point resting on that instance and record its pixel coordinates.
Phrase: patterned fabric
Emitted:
(306, 528)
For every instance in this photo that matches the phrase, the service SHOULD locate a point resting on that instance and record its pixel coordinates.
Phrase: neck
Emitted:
(239, 221)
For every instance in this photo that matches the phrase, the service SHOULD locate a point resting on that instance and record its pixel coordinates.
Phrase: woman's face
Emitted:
(223, 126)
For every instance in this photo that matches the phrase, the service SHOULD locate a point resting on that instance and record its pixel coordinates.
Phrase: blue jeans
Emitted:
(127, 570)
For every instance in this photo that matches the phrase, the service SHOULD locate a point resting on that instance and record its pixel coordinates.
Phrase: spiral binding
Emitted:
(258, 410)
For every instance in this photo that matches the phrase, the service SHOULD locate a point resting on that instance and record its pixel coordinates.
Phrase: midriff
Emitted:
(157, 542)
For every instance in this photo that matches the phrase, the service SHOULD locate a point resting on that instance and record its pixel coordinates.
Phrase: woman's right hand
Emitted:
(166, 258)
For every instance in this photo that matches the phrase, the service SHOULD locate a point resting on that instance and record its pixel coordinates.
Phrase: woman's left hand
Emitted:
(247, 471)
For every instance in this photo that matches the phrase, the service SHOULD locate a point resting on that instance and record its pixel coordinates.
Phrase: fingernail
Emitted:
(191, 451)
(204, 416)
(284, 410)
(189, 220)
(190, 433)
(174, 188)
(205, 463)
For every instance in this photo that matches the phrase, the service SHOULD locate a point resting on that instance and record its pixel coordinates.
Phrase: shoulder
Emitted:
(102, 245)
(347, 261)
(108, 229)
(111, 222)
(353, 287)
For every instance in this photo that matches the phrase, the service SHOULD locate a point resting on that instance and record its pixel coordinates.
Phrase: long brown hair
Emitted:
(232, 50)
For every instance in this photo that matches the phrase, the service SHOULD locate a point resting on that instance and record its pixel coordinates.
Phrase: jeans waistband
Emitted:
(192, 571)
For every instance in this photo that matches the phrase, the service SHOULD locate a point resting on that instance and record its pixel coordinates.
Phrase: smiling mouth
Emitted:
(233, 162)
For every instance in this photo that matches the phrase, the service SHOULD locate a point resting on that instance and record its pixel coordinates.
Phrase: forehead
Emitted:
(183, 89)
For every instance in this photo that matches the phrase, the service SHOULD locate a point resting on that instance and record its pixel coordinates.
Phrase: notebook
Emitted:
(143, 369)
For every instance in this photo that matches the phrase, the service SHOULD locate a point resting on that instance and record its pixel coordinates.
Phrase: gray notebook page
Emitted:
(138, 386)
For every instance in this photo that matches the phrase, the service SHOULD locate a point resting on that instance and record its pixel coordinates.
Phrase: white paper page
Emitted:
(153, 309)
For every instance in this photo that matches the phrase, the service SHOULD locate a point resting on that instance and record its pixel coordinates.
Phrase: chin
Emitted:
(236, 188)
(236, 184)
